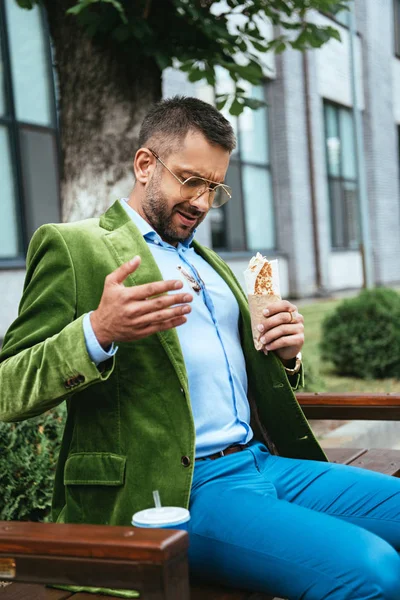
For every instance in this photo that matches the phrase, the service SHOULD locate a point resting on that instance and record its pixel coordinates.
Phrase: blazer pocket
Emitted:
(95, 468)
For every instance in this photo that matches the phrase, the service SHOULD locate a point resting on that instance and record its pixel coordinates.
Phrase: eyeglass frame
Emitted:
(226, 188)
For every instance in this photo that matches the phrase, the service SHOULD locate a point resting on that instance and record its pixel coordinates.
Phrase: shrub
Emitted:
(28, 457)
(362, 336)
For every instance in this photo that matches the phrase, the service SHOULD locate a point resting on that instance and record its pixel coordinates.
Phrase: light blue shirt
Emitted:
(210, 344)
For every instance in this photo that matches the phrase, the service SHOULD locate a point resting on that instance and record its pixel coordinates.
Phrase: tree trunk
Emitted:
(103, 95)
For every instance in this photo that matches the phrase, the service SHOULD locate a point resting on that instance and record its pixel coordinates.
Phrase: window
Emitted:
(246, 222)
(29, 193)
(342, 176)
(396, 22)
(341, 16)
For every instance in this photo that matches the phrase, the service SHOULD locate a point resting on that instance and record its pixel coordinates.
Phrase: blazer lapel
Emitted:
(124, 241)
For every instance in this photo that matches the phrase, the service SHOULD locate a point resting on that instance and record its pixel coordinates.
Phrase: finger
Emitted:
(279, 306)
(291, 318)
(161, 315)
(155, 288)
(286, 341)
(162, 326)
(119, 275)
(145, 307)
(283, 330)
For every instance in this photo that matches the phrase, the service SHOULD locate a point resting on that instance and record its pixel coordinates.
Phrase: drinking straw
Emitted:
(157, 500)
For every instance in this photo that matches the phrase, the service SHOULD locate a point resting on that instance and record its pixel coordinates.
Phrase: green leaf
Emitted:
(236, 108)
(28, 4)
(84, 4)
(163, 60)
(280, 47)
(185, 67)
(195, 74)
(75, 10)
(254, 103)
(334, 33)
(221, 103)
(259, 47)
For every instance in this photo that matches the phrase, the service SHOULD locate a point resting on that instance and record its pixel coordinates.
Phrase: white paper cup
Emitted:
(165, 517)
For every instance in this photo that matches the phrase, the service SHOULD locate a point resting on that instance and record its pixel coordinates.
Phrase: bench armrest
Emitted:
(96, 555)
(374, 407)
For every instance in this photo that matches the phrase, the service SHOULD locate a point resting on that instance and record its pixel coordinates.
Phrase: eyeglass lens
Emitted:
(196, 187)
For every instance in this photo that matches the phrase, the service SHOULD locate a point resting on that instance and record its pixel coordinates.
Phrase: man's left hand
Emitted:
(282, 330)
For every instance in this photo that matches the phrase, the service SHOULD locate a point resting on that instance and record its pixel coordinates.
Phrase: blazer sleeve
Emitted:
(44, 357)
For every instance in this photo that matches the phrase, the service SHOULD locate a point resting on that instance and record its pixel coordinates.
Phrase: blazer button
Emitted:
(81, 379)
(185, 460)
(68, 384)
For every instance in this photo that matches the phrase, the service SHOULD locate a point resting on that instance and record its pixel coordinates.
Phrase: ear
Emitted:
(143, 165)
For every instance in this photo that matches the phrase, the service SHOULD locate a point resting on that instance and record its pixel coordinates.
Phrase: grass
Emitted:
(322, 372)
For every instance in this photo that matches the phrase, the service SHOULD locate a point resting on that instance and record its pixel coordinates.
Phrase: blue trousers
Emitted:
(294, 528)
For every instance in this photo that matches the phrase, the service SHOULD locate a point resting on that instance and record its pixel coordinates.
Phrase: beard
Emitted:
(160, 214)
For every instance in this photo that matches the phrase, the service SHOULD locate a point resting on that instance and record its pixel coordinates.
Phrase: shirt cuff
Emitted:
(96, 352)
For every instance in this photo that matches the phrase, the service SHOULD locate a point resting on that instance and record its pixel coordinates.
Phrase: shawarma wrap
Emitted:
(262, 286)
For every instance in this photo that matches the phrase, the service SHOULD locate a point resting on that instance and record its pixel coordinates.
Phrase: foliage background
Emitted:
(29, 451)
(362, 336)
(197, 36)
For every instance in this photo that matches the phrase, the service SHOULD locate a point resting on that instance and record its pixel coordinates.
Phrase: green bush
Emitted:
(28, 457)
(362, 336)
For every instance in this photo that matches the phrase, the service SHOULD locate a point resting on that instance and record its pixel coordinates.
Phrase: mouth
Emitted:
(187, 220)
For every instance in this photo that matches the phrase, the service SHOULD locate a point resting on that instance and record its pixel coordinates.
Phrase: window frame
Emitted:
(14, 127)
(347, 247)
(333, 17)
(396, 28)
(239, 162)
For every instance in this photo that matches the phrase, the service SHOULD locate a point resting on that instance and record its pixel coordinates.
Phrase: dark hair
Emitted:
(168, 122)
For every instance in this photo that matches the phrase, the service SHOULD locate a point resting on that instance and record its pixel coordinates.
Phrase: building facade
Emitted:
(294, 174)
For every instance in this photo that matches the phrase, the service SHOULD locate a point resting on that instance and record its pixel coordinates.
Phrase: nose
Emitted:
(201, 202)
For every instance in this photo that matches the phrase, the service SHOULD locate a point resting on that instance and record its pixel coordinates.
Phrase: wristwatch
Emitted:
(297, 366)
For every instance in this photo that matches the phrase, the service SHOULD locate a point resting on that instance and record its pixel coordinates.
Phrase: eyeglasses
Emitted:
(193, 187)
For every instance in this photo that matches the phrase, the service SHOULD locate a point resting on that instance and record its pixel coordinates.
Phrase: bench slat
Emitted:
(29, 591)
(374, 407)
(344, 456)
(381, 460)
(83, 596)
(92, 541)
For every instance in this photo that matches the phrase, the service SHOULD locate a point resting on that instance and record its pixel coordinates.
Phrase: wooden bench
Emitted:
(154, 561)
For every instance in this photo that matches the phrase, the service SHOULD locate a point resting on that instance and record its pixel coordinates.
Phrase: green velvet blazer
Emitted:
(129, 422)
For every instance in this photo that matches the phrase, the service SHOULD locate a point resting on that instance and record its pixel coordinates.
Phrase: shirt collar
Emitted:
(147, 230)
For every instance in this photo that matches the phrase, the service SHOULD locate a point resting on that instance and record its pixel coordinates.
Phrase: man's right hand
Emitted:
(126, 314)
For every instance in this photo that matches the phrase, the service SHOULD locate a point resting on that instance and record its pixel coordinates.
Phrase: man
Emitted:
(146, 334)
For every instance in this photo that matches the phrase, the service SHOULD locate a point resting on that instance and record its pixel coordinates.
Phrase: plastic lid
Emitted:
(161, 517)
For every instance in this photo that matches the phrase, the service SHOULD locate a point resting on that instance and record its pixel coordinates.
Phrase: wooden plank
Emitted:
(379, 407)
(83, 571)
(344, 456)
(331, 399)
(84, 596)
(380, 459)
(92, 541)
(26, 591)
(168, 581)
